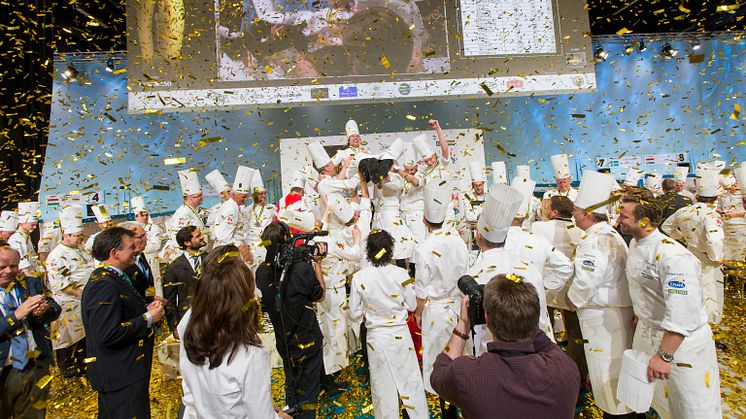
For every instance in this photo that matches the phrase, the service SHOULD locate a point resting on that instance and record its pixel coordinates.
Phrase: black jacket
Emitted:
(672, 202)
(179, 284)
(141, 280)
(9, 325)
(117, 333)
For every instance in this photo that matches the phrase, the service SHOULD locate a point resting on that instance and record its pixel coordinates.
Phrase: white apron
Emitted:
(693, 389)
(395, 373)
(333, 323)
(607, 333)
(439, 317)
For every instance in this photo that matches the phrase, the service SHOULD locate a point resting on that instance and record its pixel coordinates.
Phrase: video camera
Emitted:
(469, 287)
(300, 248)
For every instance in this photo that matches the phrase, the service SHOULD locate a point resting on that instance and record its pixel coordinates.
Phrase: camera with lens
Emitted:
(300, 248)
(469, 287)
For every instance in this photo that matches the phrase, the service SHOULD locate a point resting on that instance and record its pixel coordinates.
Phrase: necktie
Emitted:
(19, 344)
(141, 265)
(197, 265)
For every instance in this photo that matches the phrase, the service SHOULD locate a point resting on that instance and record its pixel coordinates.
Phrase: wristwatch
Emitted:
(665, 356)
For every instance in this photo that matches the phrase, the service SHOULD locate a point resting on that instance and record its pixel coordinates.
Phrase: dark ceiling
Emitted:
(99, 25)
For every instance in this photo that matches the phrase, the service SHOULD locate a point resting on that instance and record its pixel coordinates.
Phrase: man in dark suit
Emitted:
(25, 348)
(180, 278)
(118, 326)
(139, 272)
(671, 200)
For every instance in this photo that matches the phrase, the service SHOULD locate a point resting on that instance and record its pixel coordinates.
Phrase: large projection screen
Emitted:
(186, 55)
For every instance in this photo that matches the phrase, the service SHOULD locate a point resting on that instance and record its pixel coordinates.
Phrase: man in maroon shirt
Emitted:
(523, 374)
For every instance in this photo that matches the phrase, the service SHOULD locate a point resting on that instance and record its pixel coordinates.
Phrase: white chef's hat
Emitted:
(351, 128)
(101, 213)
(716, 165)
(523, 171)
(707, 182)
(740, 173)
(339, 206)
(595, 188)
(526, 188)
(217, 181)
(299, 220)
(299, 180)
(680, 173)
(727, 178)
(71, 220)
(408, 156)
(257, 183)
(499, 173)
(189, 182)
(437, 198)
(319, 156)
(28, 212)
(8, 221)
(653, 181)
(498, 212)
(422, 144)
(242, 182)
(477, 171)
(138, 204)
(633, 176)
(561, 166)
(394, 151)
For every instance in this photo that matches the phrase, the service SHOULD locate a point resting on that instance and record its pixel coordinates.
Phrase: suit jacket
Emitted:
(117, 333)
(179, 284)
(9, 325)
(141, 280)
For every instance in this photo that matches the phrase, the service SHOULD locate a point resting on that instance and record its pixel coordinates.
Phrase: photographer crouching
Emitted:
(291, 281)
(523, 374)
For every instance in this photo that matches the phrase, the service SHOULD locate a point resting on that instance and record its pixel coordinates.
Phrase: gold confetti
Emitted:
(174, 160)
(380, 254)
(43, 381)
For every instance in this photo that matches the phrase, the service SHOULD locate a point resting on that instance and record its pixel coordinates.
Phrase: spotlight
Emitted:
(668, 51)
(110, 65)
(696, 45)
(642, 47)
(600, 55)
(71, 73)
(629, 48)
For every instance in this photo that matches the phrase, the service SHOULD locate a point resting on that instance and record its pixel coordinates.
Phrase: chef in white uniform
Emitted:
(471, 202)
(679, 175)
(49, 237)
(186, 215)
(354, 149)
(28, 221)
(383, 294)
(701, 228)
(433, 166)
(499, 210)
(442, 258)
(730, 207)
(8, 224)
(412, 200)
(223, 188)
(664, 284)
(154, 236)
(342, 256)
(530, 210)
(229, 226)
(330, 179)
(599, 291)
(256, 217)
(103, 218)
(69, 270)
(561, 168)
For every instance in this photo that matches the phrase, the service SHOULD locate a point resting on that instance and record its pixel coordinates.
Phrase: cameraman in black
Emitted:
(289, 290)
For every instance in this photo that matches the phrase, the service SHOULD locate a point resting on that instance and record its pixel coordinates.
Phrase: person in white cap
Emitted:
(471, 202)
(440, 260)
(104, 221)
(223, 188)
(680, 175)
(412, 200)
(383, 294)
(8, 224)
(28, 220)
(499, 211)
(561, 168)
(154, 237)
(49, 237)
(530, 209)
(387, 216)
(599, 291)
(229, 225)
(186, 215)
(354, 150)
(69, 270)
(294, 201)
(257, 216)
(434, 166)
(667, 299)
(330, 178)
(701, 228)
(653, 183)
(730, 207)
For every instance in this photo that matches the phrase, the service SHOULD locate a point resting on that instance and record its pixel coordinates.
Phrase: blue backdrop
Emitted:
(645, 104)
